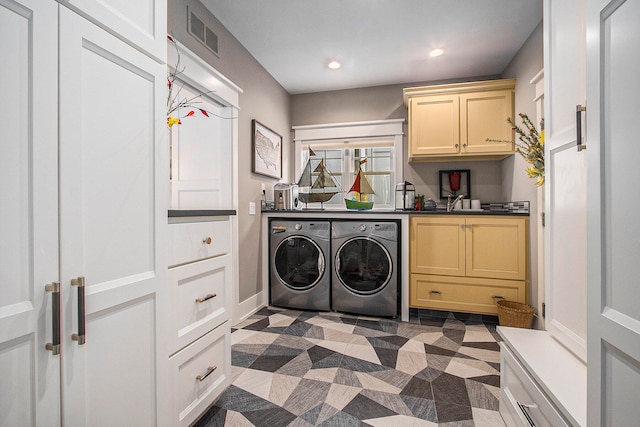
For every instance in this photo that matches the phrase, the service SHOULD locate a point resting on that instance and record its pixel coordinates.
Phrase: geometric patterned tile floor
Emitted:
(304, 368)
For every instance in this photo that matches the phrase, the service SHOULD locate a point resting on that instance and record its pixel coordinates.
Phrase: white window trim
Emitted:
(351, 131)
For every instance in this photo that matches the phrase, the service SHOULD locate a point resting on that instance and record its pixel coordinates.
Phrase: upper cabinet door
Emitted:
(483, 122)
(140, 23)
(29, 374)
(113, 174)
(434, 125)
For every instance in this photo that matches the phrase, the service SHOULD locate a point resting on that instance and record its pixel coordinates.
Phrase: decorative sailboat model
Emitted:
(361, 186)
(322, 182)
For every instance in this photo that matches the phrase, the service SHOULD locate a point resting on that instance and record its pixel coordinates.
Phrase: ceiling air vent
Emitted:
(204, 34)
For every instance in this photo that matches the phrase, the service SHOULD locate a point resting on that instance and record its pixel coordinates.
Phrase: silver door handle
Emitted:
(579, 110)
(80, 337)
(54, 345)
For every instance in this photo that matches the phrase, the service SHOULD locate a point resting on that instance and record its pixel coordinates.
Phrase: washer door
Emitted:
(299, 262)
(363, 265)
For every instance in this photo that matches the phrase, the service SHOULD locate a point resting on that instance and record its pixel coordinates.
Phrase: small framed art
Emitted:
(266, 150)
(455, 182)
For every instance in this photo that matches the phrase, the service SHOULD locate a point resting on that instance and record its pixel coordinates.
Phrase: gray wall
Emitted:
(263, 99)
(516, 184)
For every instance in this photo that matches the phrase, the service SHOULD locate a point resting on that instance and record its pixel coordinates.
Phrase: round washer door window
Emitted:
(363, 265)
(299, 262)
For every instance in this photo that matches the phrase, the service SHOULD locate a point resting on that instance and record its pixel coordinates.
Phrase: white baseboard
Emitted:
(248, 307)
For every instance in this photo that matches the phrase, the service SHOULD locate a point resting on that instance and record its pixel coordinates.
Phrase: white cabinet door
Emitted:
(613, 90)
(29, 374)
(565, 189)
(113, 176)
(140, 23)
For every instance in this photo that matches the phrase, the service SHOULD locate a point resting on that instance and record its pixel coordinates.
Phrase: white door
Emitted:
(113, 174)
(565, 167)
(29, 374)
(613, 90)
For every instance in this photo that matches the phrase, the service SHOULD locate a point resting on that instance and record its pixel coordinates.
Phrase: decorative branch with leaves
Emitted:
(175, 101)
(530, 146)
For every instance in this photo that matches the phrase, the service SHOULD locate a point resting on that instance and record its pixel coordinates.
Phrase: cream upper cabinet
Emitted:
(447, 122)
(466, 263)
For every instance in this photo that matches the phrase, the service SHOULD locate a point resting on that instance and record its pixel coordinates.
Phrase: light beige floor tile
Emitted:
(256, 382)
(410, 362)
(325, 374)
(281, 388)
(399, 420)
(477, 333)
(371, 383)
(486, 418)
(362, 352)
(257, 338)
(413, 346)
(428, 337)
(478, 353)
(280, 320)
(340, 395)
(460, 369)
(237, 420)
(478, 364)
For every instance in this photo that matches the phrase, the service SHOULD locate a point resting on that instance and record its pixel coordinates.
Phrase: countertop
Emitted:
(341, 212)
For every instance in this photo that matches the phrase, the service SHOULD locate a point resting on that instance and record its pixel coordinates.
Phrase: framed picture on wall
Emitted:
(454, 183)
(266, 150)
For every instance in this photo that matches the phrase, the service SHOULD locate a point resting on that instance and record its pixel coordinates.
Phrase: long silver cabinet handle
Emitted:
(206, 298)
(80, 337)
(210, 370)
(54, 345)
(579, 110)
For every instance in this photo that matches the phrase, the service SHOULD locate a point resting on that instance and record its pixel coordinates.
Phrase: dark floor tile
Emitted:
(455, 335)
(298, 328)
(342, 419)
(448, 412)
(236, 399)
(370, 324)
(493, 346)
(271, 363)
(364, 408)
(243, 360)
(388, 356)
(417, 387)
(424, 409)
(450, 388)
(270, 417)
(359, 365)
(214, 417)
(259, 325)
(394, 340)
(281, 350)
(493, 380)
(432, 321)
(432, 349)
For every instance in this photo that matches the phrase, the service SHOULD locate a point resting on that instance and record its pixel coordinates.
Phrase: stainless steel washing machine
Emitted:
(299, 268)
(364, 278)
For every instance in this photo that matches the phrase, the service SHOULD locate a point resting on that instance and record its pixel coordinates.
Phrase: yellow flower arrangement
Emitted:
(530, 147)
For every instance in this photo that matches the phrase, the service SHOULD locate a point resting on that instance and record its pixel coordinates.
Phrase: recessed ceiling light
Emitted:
(334, 65)
(436, 52)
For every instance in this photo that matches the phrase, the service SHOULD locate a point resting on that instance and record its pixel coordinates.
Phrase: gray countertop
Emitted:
(341, 212)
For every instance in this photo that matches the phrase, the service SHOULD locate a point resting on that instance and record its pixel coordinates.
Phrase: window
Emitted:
(379, 143)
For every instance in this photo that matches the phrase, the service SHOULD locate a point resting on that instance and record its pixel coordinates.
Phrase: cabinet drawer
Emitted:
(465, 294)
(193, 241)
(200, 298)
(522, 403)
(193, 394)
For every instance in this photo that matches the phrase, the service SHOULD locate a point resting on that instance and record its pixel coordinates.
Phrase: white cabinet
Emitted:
(86, 151)
(200, 293)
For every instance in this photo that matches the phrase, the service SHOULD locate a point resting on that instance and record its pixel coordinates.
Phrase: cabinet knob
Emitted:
(469, 225)
(462, 226)
(207, 241)
(464, 145)
(457, 145)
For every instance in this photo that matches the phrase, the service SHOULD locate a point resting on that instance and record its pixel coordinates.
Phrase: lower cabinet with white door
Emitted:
(200, 269)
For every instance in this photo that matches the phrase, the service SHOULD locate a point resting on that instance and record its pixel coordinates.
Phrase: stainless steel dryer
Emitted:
(364, 278)
(299, 269)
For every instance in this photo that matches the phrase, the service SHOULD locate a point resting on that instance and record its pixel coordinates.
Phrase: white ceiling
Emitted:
(378, 42)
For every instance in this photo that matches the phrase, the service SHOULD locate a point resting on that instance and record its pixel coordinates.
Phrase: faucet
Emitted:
(451, 205)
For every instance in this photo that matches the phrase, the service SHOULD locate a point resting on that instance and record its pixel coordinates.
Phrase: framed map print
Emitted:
(267, 150)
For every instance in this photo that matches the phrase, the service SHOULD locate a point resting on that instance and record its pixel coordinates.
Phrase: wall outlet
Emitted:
(252, 208)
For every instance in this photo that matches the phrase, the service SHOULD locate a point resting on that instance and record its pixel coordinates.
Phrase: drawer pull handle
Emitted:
(54, 346)
(435, 292)
(524, 408)
(207, 297)
(80, 337)
(498, 297)
(210, 370)
(207, 241)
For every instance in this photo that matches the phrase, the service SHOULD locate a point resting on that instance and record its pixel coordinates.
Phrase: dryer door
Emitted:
(299, 262)
(363, 265)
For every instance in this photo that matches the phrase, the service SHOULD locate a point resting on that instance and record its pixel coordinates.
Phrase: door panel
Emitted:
(437, 245)
(565, 189)
(435, 125)
(613, 230)
(29, 374)
(111, 126)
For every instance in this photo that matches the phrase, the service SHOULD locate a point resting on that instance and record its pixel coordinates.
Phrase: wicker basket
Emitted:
(515, 314)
